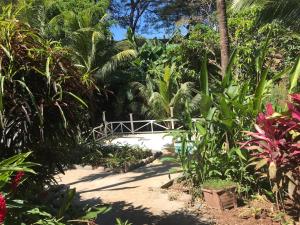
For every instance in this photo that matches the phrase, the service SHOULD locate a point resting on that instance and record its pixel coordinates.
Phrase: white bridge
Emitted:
(107, 129)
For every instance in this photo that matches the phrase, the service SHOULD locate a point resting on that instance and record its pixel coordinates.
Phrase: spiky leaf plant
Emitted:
(42, 102)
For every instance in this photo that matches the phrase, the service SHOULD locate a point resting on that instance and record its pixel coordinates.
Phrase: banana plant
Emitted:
(164, 92)
(225, 109)
(294, 76)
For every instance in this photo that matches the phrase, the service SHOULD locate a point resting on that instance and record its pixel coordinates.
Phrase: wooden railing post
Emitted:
(172, 115)
(93, 133)
(131, 123)
(105, 123)
(152, 131)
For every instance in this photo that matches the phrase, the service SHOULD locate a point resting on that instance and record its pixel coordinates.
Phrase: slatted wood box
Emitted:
(221, 199)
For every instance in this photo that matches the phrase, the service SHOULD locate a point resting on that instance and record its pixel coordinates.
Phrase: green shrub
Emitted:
(113, 155)
(38, 108)
(217, 184)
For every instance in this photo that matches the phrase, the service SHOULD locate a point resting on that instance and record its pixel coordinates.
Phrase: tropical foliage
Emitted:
(275, 151)
(39, 108)
(286, 10)
(60, 67)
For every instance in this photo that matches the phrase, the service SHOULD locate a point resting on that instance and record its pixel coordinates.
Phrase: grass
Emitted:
(217, 184)
(112, 156)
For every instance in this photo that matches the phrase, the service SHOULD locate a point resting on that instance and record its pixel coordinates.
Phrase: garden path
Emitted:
(135, 195)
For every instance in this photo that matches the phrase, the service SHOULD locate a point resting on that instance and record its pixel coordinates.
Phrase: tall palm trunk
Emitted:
(224, 36)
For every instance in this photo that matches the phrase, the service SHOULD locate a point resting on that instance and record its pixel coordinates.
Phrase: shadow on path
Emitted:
(124, 208)
(91, 177)
(141, 216)
(147, 172)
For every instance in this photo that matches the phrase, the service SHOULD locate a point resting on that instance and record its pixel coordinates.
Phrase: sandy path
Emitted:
(135, 195)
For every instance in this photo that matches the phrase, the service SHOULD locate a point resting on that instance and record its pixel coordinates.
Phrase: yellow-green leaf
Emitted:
(272, 170)
(261, 163)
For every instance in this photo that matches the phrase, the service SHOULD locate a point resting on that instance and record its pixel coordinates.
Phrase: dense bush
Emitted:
(209, 147)
(275, 149)
(58, 56)
(39, 109)
(16, 206)
(112, 156)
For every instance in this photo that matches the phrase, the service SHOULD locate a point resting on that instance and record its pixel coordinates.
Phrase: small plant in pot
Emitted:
(220, 194)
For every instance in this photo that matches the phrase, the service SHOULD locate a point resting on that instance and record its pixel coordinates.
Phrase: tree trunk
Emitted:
(224, 35)
(131, 15)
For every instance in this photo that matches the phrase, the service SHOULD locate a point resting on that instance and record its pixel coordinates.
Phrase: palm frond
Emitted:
(285, 10)
(183, 93)
(114, 62)
(159, 107)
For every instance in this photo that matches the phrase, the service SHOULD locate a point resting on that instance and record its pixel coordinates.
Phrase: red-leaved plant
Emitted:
(3, 209)
(276, 145)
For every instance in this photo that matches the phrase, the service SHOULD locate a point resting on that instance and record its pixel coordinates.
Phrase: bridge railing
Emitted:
(131, 126)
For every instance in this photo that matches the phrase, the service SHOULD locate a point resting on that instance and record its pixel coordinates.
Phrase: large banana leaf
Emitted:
(260, 90)
(204, 77)
(228, 74)
(227, 117)
(294, 76)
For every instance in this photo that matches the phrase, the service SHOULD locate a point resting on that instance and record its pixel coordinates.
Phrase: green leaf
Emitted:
(175, 170)
(201, 129)
(19, 158)
(240, 154)
(204, 77)
(167, 74)
(227, 114)
(228, 74)
(6, 51)
(77, 98)
(261, 163)
(16, 169)
(262, 55)
(294, 76)
(47, 72)
(260, 90)
(168, 159)
(15, 204)
(32, 100)
(94, 212)
(38, 212)
(66, 202)
(211, 113)
(205, 104)
(2, 79)
(62, 114)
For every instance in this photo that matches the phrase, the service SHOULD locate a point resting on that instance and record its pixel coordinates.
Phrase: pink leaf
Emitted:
(295, 97)
(295, 153)
(269, 109)
(296, 115)
(259, 130)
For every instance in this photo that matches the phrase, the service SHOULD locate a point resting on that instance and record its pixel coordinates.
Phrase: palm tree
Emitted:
(224, 36)
(85, 30)
(164, 92)
(99, 56)
(286, 10)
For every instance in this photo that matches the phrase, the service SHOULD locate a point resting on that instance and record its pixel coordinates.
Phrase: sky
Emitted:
(119, 33)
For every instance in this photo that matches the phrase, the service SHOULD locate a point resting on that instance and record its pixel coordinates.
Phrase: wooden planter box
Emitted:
(221, 199)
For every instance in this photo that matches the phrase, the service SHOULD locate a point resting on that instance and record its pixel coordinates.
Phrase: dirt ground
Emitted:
(137, 196)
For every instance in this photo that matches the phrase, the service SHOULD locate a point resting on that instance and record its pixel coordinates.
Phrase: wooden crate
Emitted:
(220, 199)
